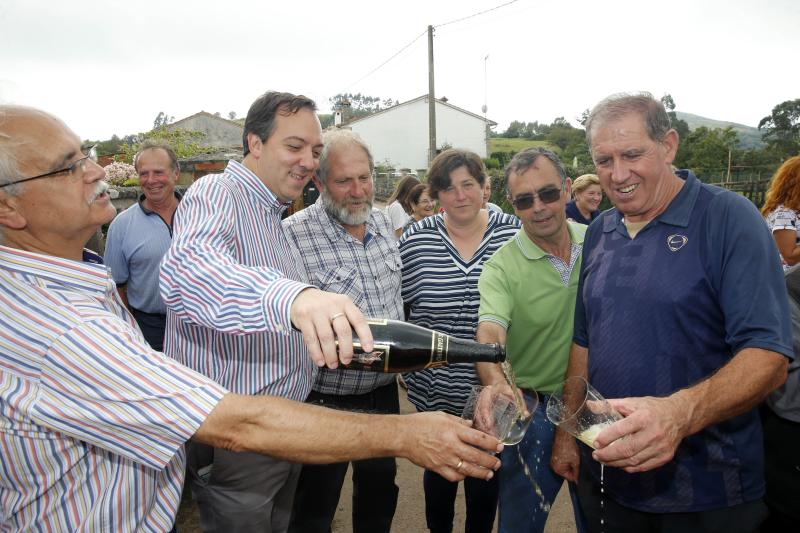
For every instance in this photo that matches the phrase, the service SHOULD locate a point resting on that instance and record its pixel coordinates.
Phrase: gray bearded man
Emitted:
(346, 246)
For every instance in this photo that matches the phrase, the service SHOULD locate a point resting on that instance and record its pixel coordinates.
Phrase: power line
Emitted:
(373, 71)
(476, 14)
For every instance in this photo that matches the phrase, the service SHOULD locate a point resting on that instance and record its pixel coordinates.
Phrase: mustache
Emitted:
(99, 189)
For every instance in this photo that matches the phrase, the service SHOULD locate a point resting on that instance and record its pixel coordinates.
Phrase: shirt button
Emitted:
(279, 327)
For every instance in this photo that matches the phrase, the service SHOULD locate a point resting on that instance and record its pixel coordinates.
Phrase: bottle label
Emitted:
(379, 356)
(440, 343)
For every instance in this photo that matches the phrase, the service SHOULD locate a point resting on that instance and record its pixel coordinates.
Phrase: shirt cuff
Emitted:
(277, 303)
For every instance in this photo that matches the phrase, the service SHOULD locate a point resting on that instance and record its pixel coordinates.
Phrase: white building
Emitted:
(399, 135)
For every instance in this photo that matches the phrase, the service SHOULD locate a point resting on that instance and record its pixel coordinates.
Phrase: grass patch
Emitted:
(500, 144)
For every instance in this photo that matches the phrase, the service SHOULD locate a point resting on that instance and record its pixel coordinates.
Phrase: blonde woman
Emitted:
(587, 195)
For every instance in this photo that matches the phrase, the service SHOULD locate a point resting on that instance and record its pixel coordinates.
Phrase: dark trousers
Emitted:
(374, 490)
(440, 499)
(782, 472)
(744, 518)
(152, 326)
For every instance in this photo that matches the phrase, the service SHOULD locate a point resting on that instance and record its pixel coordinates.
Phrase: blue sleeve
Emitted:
(746, 271)
(114, 256)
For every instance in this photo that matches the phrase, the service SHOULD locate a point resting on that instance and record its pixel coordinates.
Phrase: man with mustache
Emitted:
(93, 421)
(139, 237)
(347, 246)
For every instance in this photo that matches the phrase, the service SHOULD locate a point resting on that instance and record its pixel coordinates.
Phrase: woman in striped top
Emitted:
(443, 256)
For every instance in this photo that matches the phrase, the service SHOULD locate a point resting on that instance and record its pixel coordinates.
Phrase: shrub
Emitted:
(119, 173)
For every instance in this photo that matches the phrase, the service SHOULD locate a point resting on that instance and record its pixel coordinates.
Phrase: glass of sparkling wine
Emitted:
(580, 410)
(498, 414)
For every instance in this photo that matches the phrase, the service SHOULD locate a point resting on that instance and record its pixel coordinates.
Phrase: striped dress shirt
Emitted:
(368, 272)
(229, 280)
(442, 292)
(92, 421)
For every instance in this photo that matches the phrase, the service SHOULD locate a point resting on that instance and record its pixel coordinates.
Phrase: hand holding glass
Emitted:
(580, 410)
(498, 414)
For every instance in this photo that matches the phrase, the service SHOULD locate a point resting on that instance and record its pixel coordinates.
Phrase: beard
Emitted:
(340, 211)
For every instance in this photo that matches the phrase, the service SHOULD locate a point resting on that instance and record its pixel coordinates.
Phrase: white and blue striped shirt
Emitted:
(442, 292)
(92, 420)
(229, 280)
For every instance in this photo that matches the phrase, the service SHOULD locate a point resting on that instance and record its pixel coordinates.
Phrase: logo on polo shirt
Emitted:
(676, 242)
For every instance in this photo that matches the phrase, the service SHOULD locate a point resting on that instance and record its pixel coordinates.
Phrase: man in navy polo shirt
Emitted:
(139, 237)
(682, 318)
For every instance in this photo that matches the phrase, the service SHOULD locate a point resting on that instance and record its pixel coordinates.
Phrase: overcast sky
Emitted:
(110, 67)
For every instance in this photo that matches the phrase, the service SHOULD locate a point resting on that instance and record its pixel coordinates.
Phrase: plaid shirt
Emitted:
(369, 273)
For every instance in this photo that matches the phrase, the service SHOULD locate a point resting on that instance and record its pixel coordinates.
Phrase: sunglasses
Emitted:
(548, 195)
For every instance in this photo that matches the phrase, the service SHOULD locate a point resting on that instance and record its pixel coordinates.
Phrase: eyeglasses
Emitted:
(548, 195)
(80, 164)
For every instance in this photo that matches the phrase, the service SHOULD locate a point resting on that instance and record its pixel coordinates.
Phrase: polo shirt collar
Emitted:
(255, 185)
(532, 251)
(148, 212)
(333, 228)
(677, 213)
(53, 270)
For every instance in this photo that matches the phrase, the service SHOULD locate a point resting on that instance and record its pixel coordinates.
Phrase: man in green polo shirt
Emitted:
(528, 290)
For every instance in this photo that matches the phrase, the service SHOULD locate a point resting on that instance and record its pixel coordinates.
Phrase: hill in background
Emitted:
(749, 137)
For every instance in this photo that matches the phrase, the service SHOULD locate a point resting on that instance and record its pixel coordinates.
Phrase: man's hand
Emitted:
(565, 460)
(448, 446)
(324, 318)
(648, 435)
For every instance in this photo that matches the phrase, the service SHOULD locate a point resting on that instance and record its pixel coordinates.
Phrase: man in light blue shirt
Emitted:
(140, 236)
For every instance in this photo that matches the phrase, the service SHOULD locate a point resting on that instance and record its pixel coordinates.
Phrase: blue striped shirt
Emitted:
(229, 280)
(92, 421)
(368, 272)
(442, 291)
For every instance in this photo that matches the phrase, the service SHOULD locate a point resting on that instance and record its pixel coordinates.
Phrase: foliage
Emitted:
(131, 183)
(325, 120)
(118, 173)
(782, 128)
(231, 115)
(677, 124)
(161, 120)
(706, 151)
(184, 142)
(360, 105)
(492, 163)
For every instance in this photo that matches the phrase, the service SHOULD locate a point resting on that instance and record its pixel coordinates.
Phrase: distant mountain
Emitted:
(749, 137)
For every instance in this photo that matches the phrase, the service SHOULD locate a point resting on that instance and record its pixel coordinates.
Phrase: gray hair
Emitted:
(157, 145)
(9, 169)
(336, 138)
(655, 117)
(525, 159)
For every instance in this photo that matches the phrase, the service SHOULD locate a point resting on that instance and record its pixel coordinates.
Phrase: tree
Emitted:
(707, 152)
(162, 120)
(782, 128)
(232, 115)
(184, 142)
(514, 130)
(360, 105)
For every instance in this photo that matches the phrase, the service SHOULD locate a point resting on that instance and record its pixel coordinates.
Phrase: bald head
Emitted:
(24, 132)
(63, 199)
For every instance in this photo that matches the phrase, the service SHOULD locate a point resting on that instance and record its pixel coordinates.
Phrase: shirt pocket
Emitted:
(394, 271)
(341, 280)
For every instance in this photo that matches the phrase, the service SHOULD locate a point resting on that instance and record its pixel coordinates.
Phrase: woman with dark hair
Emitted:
(397, 206)
(420, 203)
(782, 210)
(443, 257)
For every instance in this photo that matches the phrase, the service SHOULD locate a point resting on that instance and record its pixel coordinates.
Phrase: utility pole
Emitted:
(431, 101)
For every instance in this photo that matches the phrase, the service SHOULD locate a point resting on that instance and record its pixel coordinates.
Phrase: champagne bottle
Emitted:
(403, 347)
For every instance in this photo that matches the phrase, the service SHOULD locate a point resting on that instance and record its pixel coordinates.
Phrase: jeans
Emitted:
(521, 509)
